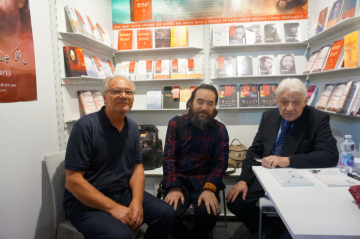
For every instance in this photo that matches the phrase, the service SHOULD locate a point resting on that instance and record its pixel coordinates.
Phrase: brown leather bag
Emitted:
(237, 153)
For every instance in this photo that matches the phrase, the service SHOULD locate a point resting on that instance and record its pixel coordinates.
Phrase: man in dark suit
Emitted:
(294, 135)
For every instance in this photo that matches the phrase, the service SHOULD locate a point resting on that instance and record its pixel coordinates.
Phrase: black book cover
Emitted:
(168, 101)
(249, 95)
(227, 95)
(267, 94)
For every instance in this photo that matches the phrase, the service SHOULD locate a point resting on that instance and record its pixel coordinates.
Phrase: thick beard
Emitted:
(199, 122)
(288, 6)
(9, 18)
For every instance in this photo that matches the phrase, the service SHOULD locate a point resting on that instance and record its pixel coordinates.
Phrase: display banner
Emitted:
(162, 13)
(17, 60)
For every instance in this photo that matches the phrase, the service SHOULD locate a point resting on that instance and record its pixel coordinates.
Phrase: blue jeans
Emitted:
(92, 223)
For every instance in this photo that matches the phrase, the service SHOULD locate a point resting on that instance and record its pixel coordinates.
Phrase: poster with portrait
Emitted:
(17, 60)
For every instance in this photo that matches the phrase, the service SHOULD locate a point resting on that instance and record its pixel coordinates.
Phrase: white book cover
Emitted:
(87, 101)
(94, 29)
(253, 34)
(272, 33)
(289, 177)
(153, 99)
(104, 35)
(237, 35)
(106, 67)
(74, 22)
(84, 23)
(224, 66)
(98, 66)
(352, 96)
(334, 178)
(244, 65)
(178, 68)
(194, 68)
(144, 70)
(128, 69)
(98, 99)
(356, 102)
(266, 65)
(287, 65)
(220, 35)
(162, 69)
(90, 67)
(292, 32)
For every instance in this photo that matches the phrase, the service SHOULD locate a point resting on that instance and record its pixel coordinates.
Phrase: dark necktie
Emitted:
(285, 131)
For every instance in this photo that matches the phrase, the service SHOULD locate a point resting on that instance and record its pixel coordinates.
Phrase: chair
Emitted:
(267, 207)
(55, 167)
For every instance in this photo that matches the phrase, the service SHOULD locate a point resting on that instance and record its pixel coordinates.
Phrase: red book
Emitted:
(125, 40)
(174, 64)
(220, 62)
(144, 39)
(149, 65)
(334, 54)
(74, 59)
(190, 63)
(140, 10)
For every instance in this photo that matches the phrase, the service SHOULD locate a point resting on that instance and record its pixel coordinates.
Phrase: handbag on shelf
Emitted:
(237, 154)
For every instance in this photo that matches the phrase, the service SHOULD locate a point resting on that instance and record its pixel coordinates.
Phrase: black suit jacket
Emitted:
(310, 143)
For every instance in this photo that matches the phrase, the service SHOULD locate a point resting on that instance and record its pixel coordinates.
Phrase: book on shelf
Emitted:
(220, 35)
(162, 37)
(292, 32)
(73, 19)
(321, 59)
(311, 92)
(140, 10)
(227, 96)
(171, 97)
(355, 105)
(94, 30)
(98, 66)
(194, 68)
(249, 95)
(266, 65)
(125, 40)
(267, 94)
(334, 13)
(144, 38)
(325, 96)
(185, 95)
(322, 20)
(338, 97)
(90, 67)
(272, 33)
(351, 50)
(162, 70)
(310, 63)
(349, 9)
(287, 64)
(179, 37)
(332, 177)
(84, 24)
(104, 35)
(87, 101)
(153, 99)
(98, 99)
(178, 68)
(354, 91)
(111, 66)
(224, 66)
(335, 54)
(105, 67)
(237, 35)
(144, 70)
(128, 69)
(290, 177)
(253, 34)
(75, 62)
(244, 65)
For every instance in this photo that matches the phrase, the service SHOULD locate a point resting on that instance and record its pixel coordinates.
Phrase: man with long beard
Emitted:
(291, 6)
(194, 165)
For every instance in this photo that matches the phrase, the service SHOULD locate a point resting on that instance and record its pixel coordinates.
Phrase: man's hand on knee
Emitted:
(137, 215)
(210, 200)
(240, 187)
(173, 198)
(122, 213)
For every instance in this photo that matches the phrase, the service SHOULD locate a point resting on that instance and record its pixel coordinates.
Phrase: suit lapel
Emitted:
(271, 133)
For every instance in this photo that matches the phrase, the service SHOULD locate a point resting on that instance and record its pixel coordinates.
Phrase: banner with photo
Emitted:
(160, 13)
(17, 59)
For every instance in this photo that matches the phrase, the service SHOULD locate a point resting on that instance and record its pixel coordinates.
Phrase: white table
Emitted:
(315, 211)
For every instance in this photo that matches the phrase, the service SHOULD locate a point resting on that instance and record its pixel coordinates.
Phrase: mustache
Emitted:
(122, 101)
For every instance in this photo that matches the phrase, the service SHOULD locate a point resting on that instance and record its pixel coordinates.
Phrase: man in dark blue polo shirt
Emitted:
(105, 179)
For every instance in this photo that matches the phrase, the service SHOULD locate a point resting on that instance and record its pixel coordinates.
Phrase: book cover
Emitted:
(249, 95)
(185, 95)
(267, 94)
(332, 177)
(287, 64)
(292, 32)
(98, 99)
(224, 66)
(178, 68)
(98, 66)
(322, 20)
(104, 35)
(162, 70)
(178, 37)
(144, 38)
(355, 100)
(94, 30)
(311, 61)
(171, 97)
(145, 70)
(140, 10)
(87, 101)
(128, 69)
(162, 37)
(311, 92)
(125, 40)
(351, 50)
(272, 33)
(227, 96)
(334, 13)
(350, 99)
(220, 35)
(194, 68)
(338, 96)
(237, 35)
(289, 177)
(335, 54)
(111, 66)
(244, 65)
(75, 62)
(253, 34)
(84, 23)
(153, 99)
(321, 59)
(105, 67)
(325, 96)
(349, 9)
(90, 67)
(73, 19)
(266, 65)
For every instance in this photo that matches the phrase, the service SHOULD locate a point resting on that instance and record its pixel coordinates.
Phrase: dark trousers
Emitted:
(203, 222)
(247, 211)
(97, 224)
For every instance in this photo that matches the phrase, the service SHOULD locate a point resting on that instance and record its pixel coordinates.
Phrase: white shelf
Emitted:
(82, 80)
(165, 80)
(342, 72)
(340, 114)
(263, 46)
(165, 49)
(257, 76)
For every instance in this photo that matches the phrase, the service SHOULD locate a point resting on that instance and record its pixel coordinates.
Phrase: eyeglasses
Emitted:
(118, 91)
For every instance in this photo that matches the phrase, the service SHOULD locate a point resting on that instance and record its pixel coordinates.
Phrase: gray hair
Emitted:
(108, 79)
(291, 84)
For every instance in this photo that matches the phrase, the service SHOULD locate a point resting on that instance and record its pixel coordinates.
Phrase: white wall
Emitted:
(28, 131)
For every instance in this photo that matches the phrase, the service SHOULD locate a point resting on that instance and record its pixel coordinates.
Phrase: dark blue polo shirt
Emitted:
(107, 156)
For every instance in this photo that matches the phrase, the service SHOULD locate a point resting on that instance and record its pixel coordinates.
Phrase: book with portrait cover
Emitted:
(227, 96)
(104, 35)
(338, 97)
(140, 10)
(162, 70)
(73, 19)
(335, 54)
(153, 99)
(125, 40)
(325, 96)
(322, 20)
(310, 63)
(351, 50)
(266, 65)
(244, 65)
(355, 102)
(171, 97)
(249, 95)
(220, 35)
(98, 66)
(178, 37)
(334, 13)
(178, 68)
(162, 37)
(90, 67)
(194, 68)
(144, 38)
(224, 66)
(287, 64)
(237, 35)
(128, 69)
(87, 101)
(311, 92)
(272, 33)
(354, 91)
(349, 9)
(321, 59)
(144, 70)
(292, 32)
(75, 62)
(253, 34)
(267, 94)
(98, 99)
(84, 23)
(185, 95)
